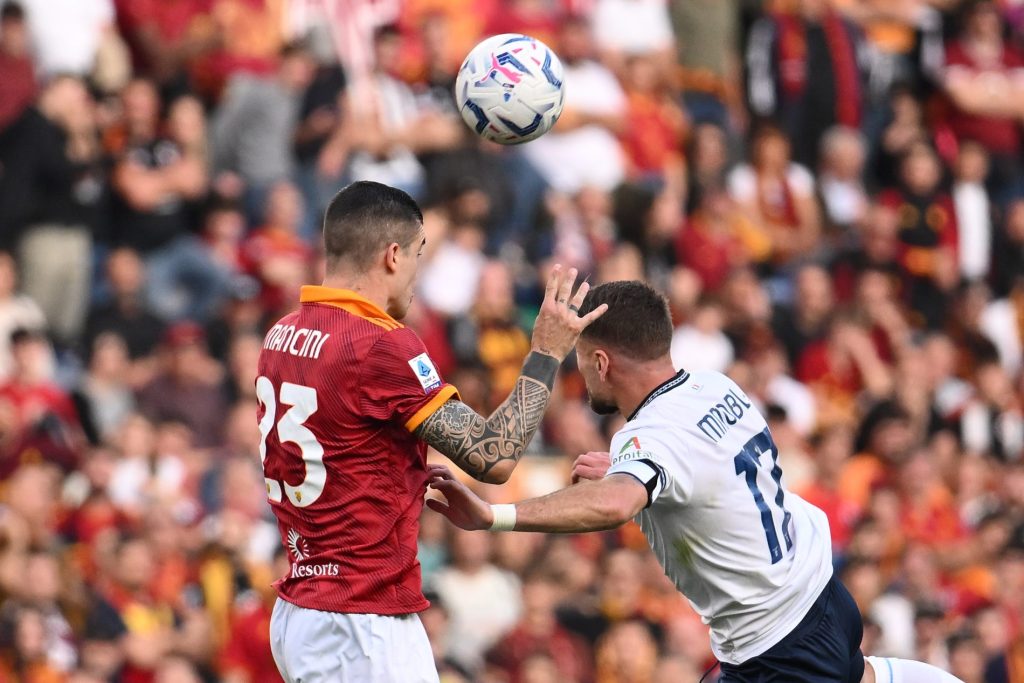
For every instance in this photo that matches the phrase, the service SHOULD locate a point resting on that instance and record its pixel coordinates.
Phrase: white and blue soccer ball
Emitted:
(510, 89)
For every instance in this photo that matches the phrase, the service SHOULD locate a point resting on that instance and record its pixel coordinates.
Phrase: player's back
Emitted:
(341, 386)
(748, 554)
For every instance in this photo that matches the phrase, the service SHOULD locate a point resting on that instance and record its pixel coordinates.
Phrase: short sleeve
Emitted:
(634, 451)
(399, 382)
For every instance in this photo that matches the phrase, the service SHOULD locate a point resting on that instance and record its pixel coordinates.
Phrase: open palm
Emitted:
(463, 508)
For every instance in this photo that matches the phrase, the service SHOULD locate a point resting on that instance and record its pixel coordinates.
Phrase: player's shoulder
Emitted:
(686, 391)
(708, 382)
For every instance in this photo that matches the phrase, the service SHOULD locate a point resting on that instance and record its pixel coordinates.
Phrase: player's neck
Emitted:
(640, 381)
(367, 287)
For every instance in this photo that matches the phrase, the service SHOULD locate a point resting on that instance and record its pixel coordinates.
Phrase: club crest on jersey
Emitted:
(297, 546)
(425, 372)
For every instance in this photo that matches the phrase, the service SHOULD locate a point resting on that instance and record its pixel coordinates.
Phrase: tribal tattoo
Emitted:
(488, 448)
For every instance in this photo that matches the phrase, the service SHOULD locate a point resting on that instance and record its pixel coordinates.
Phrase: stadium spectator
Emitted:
(583, 150)
(68, 35)
(1008, 249)
(974, 212)
(108, 395)
(841, 178)
(709, 70)
(539, 633)
(490, 335)
(275, 253)
(17, 311)
(186, 389)
(166, 40)
(126, 314)
(864, 288)
(805, 71)
(701, 344)
(653, 140)
(51, 152)
(927, 232)
(254, 127)
(17, 70)
(625, 28)
(778, 196)
(388, 127)
(483, 602)
(978, 64)
(319, 140)
(153, 179)
(39, 408)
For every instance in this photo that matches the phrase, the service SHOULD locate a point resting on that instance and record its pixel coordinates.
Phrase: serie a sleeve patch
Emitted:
(425, 372)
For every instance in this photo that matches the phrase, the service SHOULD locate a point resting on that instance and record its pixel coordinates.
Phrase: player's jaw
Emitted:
(404, 278)
(599, 393)
(602, 406)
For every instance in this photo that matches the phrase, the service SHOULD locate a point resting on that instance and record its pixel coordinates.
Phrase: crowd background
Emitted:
(829, 192)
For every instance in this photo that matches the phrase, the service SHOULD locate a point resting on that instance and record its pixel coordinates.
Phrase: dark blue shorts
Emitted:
(823, 648)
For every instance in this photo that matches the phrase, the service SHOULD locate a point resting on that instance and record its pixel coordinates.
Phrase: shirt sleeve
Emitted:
(636, 453)
(400, 382)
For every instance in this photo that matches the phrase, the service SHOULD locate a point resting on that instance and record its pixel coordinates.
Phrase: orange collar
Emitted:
(348, 300)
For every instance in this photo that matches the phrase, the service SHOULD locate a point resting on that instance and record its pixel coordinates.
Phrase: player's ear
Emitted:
(602, 362)
(391, 255)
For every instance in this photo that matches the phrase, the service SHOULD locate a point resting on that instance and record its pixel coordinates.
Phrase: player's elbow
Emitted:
(498, 474)
(621, 504)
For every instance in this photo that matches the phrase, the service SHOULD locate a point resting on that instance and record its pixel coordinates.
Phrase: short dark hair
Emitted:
(12, 11)
(637, 322)
(364, 218)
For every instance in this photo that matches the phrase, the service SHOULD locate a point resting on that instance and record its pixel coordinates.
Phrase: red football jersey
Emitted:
(341, 388)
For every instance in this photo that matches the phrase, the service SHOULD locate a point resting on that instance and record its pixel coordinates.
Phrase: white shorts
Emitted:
(310, 646)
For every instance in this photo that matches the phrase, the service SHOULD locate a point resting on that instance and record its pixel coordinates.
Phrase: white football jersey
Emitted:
(750, 556)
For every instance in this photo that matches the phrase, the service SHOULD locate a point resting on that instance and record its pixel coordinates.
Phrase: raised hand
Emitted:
(464, 508)
(559, 324)
(589, 466)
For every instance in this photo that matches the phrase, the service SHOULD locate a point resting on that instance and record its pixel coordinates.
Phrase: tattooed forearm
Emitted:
(489, 448)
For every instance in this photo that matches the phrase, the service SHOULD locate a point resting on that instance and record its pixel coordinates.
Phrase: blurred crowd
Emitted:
(829, 192)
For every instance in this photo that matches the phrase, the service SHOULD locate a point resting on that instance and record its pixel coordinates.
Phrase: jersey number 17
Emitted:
(748, 463)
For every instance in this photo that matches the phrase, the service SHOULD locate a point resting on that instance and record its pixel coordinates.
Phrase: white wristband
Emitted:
(504, 517)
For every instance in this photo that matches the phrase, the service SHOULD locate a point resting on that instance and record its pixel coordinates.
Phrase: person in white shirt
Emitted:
(973, 212)
(697, 466)
(583, 150)
(67, 34)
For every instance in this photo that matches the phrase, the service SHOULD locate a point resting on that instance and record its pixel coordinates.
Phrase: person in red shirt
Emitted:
(980, 65)
(246, 656)
(275, 253)
(349, 400)
(38, 420)
(653, 142)
(165, 38)
(16, 71)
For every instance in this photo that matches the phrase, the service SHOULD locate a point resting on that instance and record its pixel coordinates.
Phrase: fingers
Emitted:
(594, 315)
(439, 507)
(592, 465)
(443, 485)
(586, 473)
(565, 286)
(554, 282)
(440, 471)
(581, 294)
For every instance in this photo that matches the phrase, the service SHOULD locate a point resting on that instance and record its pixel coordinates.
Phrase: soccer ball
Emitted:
(510, 89)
